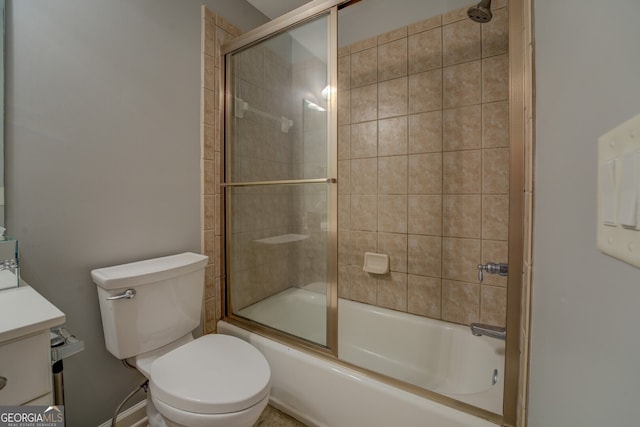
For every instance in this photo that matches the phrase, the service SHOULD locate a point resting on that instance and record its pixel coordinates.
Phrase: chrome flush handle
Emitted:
(128, 294)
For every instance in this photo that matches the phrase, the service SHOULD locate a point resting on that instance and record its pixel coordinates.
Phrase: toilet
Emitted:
(149, 310)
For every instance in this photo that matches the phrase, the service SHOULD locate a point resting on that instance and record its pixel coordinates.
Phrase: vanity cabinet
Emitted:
(25, 353)
(25, 368)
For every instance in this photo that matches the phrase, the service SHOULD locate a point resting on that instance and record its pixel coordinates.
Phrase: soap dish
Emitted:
(376, 263)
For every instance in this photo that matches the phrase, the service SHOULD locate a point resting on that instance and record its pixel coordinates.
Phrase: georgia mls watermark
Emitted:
(32, 416)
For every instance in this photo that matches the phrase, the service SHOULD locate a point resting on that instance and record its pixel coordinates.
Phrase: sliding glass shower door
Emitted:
(280, 190)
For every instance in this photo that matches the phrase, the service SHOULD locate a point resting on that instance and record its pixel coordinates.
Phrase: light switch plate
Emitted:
(618, 192)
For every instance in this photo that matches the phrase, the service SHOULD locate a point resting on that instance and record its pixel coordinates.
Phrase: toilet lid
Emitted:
(214, 374)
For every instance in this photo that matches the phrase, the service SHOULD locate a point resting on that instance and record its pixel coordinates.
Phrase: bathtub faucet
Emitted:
(499, 268)
(479, 329)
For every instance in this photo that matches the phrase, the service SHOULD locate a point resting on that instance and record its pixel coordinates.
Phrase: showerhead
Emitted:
(481, 12)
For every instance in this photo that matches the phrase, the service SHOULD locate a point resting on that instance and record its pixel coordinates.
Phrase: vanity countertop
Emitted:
(24, 311)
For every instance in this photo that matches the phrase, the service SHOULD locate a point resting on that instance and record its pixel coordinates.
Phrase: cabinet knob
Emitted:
(3, 382)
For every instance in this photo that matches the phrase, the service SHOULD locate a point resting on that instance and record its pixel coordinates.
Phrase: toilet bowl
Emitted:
(148, 310)
(215, 380)
(246, 418)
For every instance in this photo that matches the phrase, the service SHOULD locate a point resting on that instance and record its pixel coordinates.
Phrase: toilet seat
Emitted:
(214, 374)
(173, 416)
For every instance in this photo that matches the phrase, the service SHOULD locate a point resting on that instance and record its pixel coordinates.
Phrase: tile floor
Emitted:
(271, 417)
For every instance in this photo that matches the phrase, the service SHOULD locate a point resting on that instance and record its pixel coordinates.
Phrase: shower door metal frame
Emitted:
(521, 100)
(521, 142)
(290, 20)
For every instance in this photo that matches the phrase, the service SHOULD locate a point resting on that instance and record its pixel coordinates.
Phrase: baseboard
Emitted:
(136, 416)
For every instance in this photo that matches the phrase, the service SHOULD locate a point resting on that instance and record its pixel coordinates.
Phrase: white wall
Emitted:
(585, 361)
(103, 156)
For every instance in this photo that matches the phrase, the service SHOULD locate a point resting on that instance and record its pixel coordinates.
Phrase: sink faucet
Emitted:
(479, 329)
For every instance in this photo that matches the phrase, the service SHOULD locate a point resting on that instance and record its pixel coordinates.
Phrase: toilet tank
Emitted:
(166, 306)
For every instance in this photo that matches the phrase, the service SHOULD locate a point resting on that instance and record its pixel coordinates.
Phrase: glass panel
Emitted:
(278, 241)
(278, 117)
(278, 235)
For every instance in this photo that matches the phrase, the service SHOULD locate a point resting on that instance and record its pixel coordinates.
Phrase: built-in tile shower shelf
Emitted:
(284, 238)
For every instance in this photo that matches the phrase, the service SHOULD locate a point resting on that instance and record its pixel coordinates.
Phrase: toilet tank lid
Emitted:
(148, 271)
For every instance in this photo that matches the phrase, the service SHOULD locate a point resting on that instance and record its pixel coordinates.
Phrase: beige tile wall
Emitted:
(215, 30)
(423, 166)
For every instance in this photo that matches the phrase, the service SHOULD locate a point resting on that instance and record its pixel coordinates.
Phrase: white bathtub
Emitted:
(432, 354)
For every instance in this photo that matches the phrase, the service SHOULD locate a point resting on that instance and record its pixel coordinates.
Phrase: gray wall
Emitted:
(355, 21)
(103, 156)
(585, 367)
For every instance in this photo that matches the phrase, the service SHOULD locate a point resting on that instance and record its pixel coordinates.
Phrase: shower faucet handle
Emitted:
(501, 269)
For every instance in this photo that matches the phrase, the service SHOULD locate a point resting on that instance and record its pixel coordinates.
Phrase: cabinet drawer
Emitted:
(26, 364)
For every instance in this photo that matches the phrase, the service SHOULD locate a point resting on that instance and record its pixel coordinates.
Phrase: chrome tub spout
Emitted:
(479, 329)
